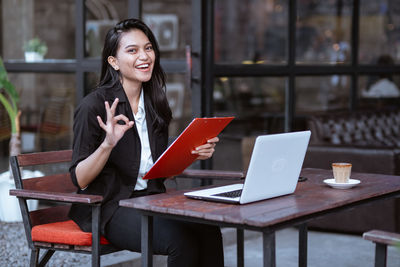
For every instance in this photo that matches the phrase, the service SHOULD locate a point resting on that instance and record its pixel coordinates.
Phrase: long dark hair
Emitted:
(154, 88)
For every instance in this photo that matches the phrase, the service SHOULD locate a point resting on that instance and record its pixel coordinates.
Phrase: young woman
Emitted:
(120, 129)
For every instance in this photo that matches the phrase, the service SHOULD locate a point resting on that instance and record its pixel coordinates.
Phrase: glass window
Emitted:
(180, 101)
(322, 93)
(379, 91)
(259, 29)
(323, 32)
(229, 154)
(50, 21)
(91, 81)
(100, 17)
(171, 23)
(379, 30)
(258, 106)
(257, 103)
(46, 102)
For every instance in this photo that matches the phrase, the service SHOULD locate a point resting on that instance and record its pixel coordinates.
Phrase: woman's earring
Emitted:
(116, 68)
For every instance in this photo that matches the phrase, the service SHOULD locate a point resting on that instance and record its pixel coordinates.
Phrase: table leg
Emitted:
(147, 241)
(380, 255)
(240, 247)
(303, 240)
(269, 249)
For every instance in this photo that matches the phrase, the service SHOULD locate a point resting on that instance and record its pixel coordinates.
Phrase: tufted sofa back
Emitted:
(361, 128)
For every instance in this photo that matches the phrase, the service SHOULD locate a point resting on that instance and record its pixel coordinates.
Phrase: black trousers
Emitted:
(186, 244)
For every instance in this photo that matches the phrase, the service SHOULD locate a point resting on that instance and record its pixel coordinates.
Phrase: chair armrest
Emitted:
(56, 196)
(382, 237)
(212, 174)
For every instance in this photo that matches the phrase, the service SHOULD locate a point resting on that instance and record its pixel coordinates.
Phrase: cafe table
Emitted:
(311, 199)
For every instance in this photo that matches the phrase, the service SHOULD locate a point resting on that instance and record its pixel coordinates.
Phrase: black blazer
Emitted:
(118, 178)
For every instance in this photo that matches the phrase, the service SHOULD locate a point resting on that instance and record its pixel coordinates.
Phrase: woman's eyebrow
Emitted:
(134, 45)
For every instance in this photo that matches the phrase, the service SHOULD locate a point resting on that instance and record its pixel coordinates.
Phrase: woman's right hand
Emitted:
(114, 130)
(88, 169)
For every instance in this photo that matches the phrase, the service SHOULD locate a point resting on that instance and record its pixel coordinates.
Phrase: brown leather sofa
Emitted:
(370, 140)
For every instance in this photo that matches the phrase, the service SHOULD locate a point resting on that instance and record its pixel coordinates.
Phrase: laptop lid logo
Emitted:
(279, 165)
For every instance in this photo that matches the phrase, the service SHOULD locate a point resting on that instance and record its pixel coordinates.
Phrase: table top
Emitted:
(311, 199)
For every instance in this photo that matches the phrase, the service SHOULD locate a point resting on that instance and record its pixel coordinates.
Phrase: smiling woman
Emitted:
(120, 129)
(134, 61)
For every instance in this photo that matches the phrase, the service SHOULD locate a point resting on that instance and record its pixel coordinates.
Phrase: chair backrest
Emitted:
(378, 128)
(59, 182)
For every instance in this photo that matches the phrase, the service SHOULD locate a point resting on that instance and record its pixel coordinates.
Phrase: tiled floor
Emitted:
(324, 249)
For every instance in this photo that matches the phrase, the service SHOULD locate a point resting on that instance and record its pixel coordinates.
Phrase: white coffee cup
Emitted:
(341, 172)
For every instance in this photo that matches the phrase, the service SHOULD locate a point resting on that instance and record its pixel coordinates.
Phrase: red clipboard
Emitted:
(178, 156)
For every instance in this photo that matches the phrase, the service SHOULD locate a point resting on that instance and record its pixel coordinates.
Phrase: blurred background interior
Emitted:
(273, 64)
(331, 66)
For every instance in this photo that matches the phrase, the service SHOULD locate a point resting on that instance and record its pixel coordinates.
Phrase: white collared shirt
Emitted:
(146, 160)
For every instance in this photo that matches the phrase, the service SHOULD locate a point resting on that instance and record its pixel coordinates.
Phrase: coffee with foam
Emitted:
(341, 172)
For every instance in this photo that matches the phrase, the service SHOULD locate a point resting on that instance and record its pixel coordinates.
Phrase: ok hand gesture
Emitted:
(114, 131)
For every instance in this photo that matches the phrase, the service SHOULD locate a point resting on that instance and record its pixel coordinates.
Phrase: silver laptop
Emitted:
(273, 171)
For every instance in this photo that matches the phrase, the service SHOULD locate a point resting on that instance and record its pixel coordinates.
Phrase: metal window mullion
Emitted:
(196, 57)
(208, 67)
(80, 48)
(291, 84)
(355, 42)
(135, 9)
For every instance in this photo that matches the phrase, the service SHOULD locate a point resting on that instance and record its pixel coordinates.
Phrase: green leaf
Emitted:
(8, 96)
(10, 89)
(12, 113)
(6, 84)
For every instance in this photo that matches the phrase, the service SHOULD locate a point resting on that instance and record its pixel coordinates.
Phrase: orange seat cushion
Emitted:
(67, 232)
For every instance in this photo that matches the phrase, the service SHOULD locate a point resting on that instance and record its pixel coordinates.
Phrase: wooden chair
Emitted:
(50, 228)
(382, 239)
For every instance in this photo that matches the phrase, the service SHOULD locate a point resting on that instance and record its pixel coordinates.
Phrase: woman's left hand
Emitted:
(207, 150)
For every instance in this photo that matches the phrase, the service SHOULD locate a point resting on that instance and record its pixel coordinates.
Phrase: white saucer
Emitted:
(350, 184)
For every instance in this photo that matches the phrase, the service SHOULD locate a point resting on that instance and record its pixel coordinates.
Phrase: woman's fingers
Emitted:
(213, 140)
(101, 123)
(204, 147)
(211, 143)
(128, 124)
(112, 120)
(114, 105)
(207, 150)
(204, 152)
(110, 111)
(114, 130)
(121, 117)
(203, 155)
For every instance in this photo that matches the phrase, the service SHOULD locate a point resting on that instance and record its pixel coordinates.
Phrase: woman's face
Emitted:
(135, 57)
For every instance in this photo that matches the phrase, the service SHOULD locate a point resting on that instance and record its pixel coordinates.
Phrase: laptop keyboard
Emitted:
(231, 194)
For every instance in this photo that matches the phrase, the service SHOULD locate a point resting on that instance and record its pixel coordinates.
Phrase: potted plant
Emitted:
(35, 49)
(9, 98)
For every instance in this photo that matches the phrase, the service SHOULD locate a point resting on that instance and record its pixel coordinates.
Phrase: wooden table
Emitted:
(311, 199)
